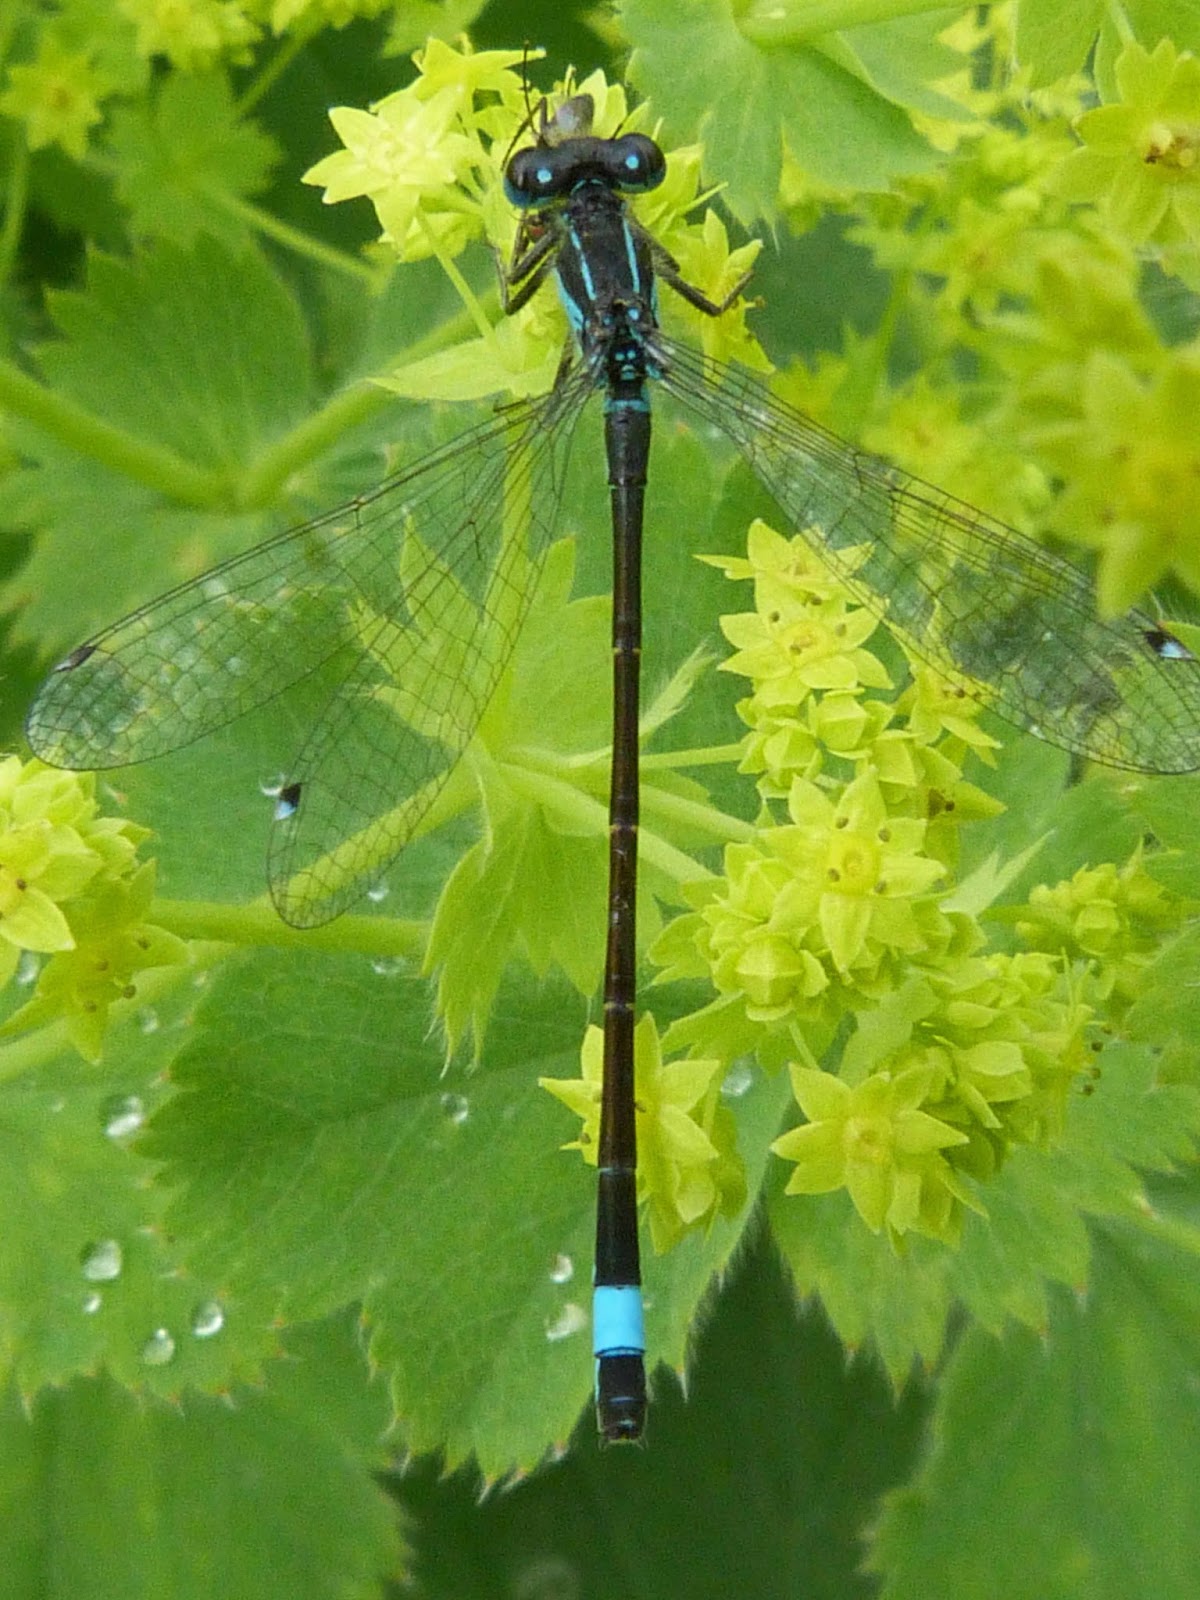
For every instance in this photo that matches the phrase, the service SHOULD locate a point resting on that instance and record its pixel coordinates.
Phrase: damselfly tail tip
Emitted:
(621, 1399)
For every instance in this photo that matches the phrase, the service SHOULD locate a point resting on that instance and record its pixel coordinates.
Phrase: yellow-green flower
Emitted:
(53, 846)
(1141, 157)
(1132, 467)
(1114, 916)
(428, 157)
(706, 260)
(688, 1168)
(402, 153)
(111, 944)
(939, 702)
(855, 873)
(192, 34)
(791, 651)
(877, 1143)
(57, 97)
(337, 13)
(743, 947)
(1007, 1037)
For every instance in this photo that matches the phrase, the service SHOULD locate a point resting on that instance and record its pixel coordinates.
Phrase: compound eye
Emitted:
(635, 163)
(533, 177)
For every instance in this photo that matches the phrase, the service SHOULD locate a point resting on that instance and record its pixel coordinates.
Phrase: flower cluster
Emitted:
(1023, 263)
(71, 889)
(1114, 916)
(831, 930)
(192, 34)
(76, 60)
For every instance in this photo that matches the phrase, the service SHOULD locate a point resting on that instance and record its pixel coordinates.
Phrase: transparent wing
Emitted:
(411, 596)
(965, 592)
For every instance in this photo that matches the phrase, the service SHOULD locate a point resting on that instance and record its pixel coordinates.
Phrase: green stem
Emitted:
(294, 239)
(261, 483)
(463, 289)
(584, 811)
(259, 924)
(713, 755)
(299, 35)
(150, 464)
(1120, 20)
(695, 814)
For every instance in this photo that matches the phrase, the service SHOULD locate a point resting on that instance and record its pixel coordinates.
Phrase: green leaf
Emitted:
(773, 1407)
(1150, 21)
(1097, 1417)
(255, 1496)
(844, 123)
(525, 887)
(419, 20)
(1033, 1233)
(1054, 36)
(1166, 1013)
(179, 158)
(199, 349)
(88, 1275)
(320, 1159)
(536, 882)
(202, 352)
(899, 1305)
(324, 1172)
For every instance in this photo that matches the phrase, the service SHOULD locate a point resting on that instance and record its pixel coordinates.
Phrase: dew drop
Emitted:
(147, 1020)
(456, 1108)
(102, 1261)
(121, 1115)
(158, 1349)
(737, 1080)
(208, 1318)
(92, 1303)
(563, 1269)
(387, 966)
(378, 892)
(270, 787)
(28, 967)
(570, 1320)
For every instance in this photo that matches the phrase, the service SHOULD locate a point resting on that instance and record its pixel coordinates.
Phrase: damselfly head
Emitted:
(564, 158)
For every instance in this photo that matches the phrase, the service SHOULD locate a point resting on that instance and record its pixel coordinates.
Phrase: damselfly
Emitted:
(412, 596)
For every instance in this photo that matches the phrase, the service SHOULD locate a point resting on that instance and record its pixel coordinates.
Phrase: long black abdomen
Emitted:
(618, 1340)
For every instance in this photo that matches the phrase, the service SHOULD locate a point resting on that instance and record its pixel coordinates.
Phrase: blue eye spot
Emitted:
(633, 163)
(544, 176)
